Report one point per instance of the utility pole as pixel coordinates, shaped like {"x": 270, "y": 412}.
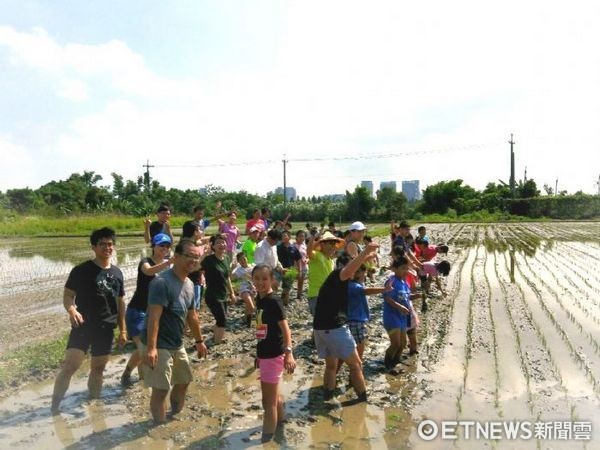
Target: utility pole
{"x": 525, "y": 177}
{"x": 556, "y": 188}
{"x": 598, "y": 184}
{"x": 284, "y": 182}
{"x": 147, "y": 175}
{"x": 512, "y": 166}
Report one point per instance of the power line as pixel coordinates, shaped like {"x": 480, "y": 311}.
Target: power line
{"x": 334, "y": 158}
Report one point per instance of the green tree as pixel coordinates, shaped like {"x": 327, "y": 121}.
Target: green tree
{"x": 359, "y": 203}
{"x": 391, "y": 203}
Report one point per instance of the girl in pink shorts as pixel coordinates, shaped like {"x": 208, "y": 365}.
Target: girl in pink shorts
{"x": 273, "y": 349}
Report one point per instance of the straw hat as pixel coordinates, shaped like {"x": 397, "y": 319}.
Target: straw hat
{"x": 328, "y": 236}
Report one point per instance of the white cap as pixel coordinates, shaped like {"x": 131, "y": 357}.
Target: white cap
{"x": 357, "y": 226}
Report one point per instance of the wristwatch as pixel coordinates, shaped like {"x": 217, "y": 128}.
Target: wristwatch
{"x": 287, "y": 349}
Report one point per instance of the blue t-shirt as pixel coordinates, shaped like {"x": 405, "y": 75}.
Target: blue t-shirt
{"x": 358, "y": 308}
{"x": 400, "y": 293}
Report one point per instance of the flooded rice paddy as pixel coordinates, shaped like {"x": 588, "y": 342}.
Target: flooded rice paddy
{"x": 517, "y": 338}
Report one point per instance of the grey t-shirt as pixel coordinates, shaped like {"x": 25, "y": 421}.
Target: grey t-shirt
{"x": 176, "y": 297}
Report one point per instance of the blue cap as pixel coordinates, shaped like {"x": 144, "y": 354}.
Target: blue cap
{"x": 161, "y": 238}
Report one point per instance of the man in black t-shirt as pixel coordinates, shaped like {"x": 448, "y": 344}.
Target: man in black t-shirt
{"x": 94, "y": 299}
{"x": 161, "y": 225}
{"x": 332, "y": 337}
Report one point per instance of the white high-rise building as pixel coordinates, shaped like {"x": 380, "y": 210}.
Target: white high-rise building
{"x": 411, "y": 190}
{"x": 388, "y": 184}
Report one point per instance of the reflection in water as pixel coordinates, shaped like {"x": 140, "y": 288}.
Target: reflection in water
{"x": 62, "y": 430}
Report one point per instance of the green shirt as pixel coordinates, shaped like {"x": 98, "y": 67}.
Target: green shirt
{"x": 216, "y": 273}
{"x": 319, "y": 267}
{"x": 248, "y": 248}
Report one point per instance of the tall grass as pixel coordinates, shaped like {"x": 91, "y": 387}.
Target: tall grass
{"x": 75, "y": 225}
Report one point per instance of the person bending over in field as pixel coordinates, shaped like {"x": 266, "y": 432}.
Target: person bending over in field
{"x": 433, "y": 271}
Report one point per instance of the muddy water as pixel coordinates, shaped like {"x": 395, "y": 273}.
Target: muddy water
{"x": 516, "y": 338}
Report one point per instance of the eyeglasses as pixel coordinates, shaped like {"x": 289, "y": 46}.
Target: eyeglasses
{"x": 106, "y": 244}
{"x": 191, "y": 257}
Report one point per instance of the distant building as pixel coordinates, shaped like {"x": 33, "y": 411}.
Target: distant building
{"x": 334, "y": 197}
{"x": 368, "y": 185}
{"x": 388, "y": 184}
{"x": 411, "y": 190}
{"x": 290, "y": 193}
{"x": 202, "y": 191}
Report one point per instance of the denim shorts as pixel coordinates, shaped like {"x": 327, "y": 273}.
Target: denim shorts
{"x": 134, "y": 320}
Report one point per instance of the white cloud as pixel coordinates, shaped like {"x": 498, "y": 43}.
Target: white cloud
{"x": 348, "y": 79}
{"x": 17, "y": 163}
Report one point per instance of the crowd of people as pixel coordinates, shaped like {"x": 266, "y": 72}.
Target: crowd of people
{"x": 220, "y": 270}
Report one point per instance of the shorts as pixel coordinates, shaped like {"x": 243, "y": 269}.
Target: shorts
{"x": 98, "y": 337}
{"x": 247, "y": 287}
{"x": 337, "y": 343}
{"x": 286, "y": 283}
{"x": 197, "y": 296}
{"x": 312, "y": 305}
{"x": 219, "y": 311}
{"x": 134, "y": 319}
{"x": 397, "y": 320}
{"x": 173, "y": 367}
{"x": 270, "y": 369}
{"x": 358, "y": 331}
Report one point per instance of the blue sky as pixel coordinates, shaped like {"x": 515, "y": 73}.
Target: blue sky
{"x": 105, "y": 85}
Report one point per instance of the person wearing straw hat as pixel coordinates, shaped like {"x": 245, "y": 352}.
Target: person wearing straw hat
{"x": 321, "y": 252}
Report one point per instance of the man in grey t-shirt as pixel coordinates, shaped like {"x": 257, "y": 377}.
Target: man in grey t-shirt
{"x": 170, "y": 306}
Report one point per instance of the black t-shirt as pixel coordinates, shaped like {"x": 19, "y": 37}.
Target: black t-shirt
{"x": 96, "y": 292}
{"x": 287, "y": 255}
{"x": 332, "y": 303}
{"x": 157, "y": 227}
{"x": 140, "y": 296}
{"x": 269, "y": 312}
{"x": 216, "y": 273}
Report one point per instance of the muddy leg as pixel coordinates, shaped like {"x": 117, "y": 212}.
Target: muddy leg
{"x": 96, "y": 377}
{"x": 178, "y": 398}
{"x": 73, "y": 359}
{"x": 356, "y": 375}
{"x": 158, "y": 405}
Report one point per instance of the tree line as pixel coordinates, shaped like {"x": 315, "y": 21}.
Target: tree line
{"x": 84, "y": 194}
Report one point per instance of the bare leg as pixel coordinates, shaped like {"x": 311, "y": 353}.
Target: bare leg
{"x": 270, "y": 402}
{"x": 96, "y": 375}
{"x": 178, "y": 397}
{"x": 158, "y": 405}
{"x": 219, "y": 333}
{"x": 331, "y": 367}
{"x": 356, "y": 374}
{"x": 73, "y": 359}
{"x": 134, "y": 361}
{"x": 300, "y": 286}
